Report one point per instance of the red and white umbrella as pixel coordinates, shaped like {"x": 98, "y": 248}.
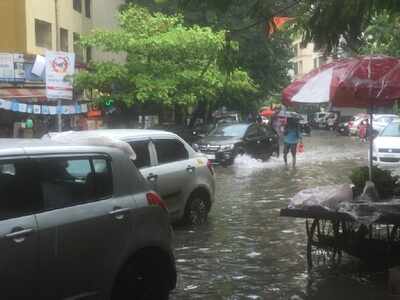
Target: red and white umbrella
{"x": 363, "y": 82}
{"x": 352, "y": 82}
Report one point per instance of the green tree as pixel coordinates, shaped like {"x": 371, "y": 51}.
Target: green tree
{"x": 266, "y": 60}
{"x": 382, "y": 36}
{"x": 167, "y": 62}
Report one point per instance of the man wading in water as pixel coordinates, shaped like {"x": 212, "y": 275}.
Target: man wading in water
{"x": 291, "y": 138}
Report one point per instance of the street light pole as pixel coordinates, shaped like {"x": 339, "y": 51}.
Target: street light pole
{"x": 59, "y": 112}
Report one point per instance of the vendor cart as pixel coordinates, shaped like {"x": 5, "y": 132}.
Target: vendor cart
{"x": 332, "y": 233}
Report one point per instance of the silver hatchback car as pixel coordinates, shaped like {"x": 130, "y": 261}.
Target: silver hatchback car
{"x": 184, "y": 178}
{"x": 80, "y": 222}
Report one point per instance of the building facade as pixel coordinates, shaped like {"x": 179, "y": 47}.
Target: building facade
{"x": 30, "y": 27}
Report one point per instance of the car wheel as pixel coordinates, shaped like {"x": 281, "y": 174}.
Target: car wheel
{"x": 137, "y": 283}
{"x": 196, "y": 210}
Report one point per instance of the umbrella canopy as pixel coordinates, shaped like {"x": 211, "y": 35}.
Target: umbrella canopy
{"x": 363, "y": 82}
{"x": 267, "y": 112}
{"x": 352, "y": 82}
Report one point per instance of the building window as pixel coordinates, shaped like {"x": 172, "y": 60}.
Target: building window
{"x": 77, "y": 4}
{"x": 43, "y": 34}
{"x": 64, "y": 40}
{"x": 78, "y": 48}
{"x": 88, "y": 8}
{"x": 88, "y": 54}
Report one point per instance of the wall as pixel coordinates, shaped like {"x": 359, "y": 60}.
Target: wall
{"x": 105, "y": 17}
{"x": 12, "y": 26}
{"x": 68, "y": 19}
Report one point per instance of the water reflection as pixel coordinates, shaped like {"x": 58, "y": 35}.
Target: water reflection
{"x": 246, "y": 251}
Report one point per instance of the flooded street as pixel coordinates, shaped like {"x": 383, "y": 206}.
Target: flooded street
{"x": 246, "y": 251}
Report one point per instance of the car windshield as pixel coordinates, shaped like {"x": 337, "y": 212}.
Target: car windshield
{"x": 392, "y": 130}
{"x": 233, "y": 130}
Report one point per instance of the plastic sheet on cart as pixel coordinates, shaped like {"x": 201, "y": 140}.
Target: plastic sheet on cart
{"x": 339, "y": 199}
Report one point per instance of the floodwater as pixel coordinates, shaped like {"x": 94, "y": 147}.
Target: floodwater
{"x": 247, "y": 251}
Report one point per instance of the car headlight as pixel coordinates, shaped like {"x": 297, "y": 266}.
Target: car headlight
{"x": 227, "y": 147}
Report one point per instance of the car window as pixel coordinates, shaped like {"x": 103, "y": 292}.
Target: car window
{"x": 169, "y": 150}
{"x": 267, "y": 130}
{"x": 20, "y": 193}
{"x": 252, "y": 132}
{"x": 392, "y": 130}
{"x": 68, "y": 182}
{"x": 237, "y": 130}
{"x": 141, "y": 149}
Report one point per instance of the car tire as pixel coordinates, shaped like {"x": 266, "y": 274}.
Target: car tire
{"x": 137, "y": 282}
{"x": 196, "y": 212}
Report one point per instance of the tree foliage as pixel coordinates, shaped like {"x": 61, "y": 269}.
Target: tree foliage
{"x": 382, "y": 36}
{"x": 167, "y": 61}
{"x": 265, "y": 59}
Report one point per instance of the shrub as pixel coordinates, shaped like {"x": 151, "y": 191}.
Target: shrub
{"x": 386, "y": 184}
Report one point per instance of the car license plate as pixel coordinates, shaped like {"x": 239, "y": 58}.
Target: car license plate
{"x": 211, "y": 156}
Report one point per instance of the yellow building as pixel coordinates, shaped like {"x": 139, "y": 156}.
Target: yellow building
{"x": 32, "y": 26}
{"x": 306, "y": 58}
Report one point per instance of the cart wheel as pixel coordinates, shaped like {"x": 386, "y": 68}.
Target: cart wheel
{"x": 323, "y": 243}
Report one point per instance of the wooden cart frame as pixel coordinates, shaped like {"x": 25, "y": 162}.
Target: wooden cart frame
{"x": 330, "y": 234}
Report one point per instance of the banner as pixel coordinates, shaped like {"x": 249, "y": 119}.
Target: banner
{"x": 60, "y": 69}
{"x": 37, "y": 109}
{"x": 6, "y": 66}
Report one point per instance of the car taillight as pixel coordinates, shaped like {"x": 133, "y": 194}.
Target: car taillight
{"x": 154, "y": 199}
{"x": 210, "y": 167}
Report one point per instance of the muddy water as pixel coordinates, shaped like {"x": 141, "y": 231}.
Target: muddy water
{"x": 246, "y": 251}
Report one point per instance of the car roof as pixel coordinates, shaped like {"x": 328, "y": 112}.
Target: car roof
{"x": 11, "y": 147}
{"x": 123, "y": 133}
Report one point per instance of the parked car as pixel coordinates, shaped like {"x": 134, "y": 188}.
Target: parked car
{"x": 343, "y": 128}
{"x": 184, "y": 178}
{"x": 318, "y": 120}
{"x": 380, "y": 121}
{"x": 305, "y": 126}
{"x": 386, "y": 146}
{"x": 80, "y": 221}
{"x": 224, "y": 143}
{"x": 330, "y": 121}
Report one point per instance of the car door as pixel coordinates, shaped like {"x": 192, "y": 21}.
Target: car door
{"x": 175, "y": 172}
{"x": 145, "y": 160}
{"x": 85, "y": 226}
{"x": 20, "y": 199}
{"x": 252, "y": 141}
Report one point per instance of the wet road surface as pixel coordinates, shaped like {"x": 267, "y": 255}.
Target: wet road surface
{"x": 246, "y": 251}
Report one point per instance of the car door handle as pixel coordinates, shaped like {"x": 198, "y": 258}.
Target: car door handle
{"x": 119, "y": 213}
{"x": 19, "y": 234}
{"x": 152, "y": 177}
{"x": 190, "y": 169}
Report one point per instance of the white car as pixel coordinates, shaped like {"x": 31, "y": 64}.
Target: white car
{"x": 386, "y": 146}
{"x": 381, "y": 121}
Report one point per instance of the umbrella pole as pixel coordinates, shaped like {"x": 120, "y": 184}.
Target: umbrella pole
{"x": 371, "y": 142}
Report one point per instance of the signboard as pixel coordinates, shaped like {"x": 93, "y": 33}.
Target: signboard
{"x": 60, "y": 69}
{"x": 6, "y": 66}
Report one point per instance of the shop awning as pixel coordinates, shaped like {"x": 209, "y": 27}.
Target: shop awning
{"x": 33, "y": 94}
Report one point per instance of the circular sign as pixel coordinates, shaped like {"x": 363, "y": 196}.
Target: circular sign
{"x": 60, "y": 64}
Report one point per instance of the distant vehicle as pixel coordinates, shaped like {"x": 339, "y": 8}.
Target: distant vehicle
{"x": 380, "y": 121}
{"x": 184, "y": 178}
{"x": 330, "y": 121}
{"x": 318, "y": 120}
{"x": 224, "y": 143}
{"x": 386, "y": 146}
{"x": 80, "y": 221}
{"x": 343, "y": 128}
{"x": 304, "y": 124}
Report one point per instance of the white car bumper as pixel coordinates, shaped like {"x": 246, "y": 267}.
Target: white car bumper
{"x": 386, "y": 160}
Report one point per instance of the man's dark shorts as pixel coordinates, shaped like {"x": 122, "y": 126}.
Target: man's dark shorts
{"x": 289, "y": 147}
